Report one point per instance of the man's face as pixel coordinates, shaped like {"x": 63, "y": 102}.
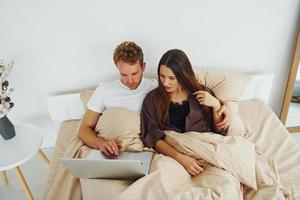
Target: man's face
{"x": 131, "y": 74}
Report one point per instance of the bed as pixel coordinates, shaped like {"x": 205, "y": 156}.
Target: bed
{"x": 265, "y": 131}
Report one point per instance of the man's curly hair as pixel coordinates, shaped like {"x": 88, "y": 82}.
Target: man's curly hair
{"x": 128, "y": 52}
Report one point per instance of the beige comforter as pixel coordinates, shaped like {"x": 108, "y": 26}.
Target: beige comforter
{"x": 222, "y": 180}
{"x": 232, "y": 160}
{"x": 60, "y": 184}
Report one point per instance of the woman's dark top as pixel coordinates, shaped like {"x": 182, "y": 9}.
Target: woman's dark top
{"x": 178, "y": 113}
{"x": 194, "y": 120}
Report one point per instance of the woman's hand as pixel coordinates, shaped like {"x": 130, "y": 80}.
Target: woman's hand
{"x": 192, "y": 166}
{"x": 225, "y": 111}
{"x": 206, "y": 99}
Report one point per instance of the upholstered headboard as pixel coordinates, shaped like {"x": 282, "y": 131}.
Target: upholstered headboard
{"x": 69, "y": 106}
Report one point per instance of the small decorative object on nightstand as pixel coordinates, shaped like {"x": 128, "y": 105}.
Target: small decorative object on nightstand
{"x": 7, "y": 129}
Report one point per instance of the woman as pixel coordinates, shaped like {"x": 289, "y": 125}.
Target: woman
{"x": 179, "y": 103}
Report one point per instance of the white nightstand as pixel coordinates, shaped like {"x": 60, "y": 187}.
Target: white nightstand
{"x": 18, "y": 150}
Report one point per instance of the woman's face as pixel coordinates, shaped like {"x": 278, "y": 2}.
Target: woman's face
{"x": 168, "y": 79}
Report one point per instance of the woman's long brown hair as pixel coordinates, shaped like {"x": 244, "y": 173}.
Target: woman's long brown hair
{"x": 180, "y": 65}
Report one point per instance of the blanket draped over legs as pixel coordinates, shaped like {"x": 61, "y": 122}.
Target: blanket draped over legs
{"x": 234, "y": 170}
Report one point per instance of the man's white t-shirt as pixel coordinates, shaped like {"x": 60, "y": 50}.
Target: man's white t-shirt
{"x": 115, "y": 94}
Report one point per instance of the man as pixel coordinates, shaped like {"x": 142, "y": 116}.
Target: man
{"x": 128, "y": 92}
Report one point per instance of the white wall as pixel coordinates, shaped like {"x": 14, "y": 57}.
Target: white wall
{"x": 60, "y": 46}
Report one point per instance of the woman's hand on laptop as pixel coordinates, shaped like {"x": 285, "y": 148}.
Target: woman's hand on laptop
{"x": 110, "y": 147}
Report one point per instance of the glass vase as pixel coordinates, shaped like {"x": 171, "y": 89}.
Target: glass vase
{"x": 7, "y": 129}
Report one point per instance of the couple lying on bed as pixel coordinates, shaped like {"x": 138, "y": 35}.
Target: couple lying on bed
{"x": 179, "y": 103}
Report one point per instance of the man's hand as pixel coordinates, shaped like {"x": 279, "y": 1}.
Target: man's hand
{"x": 225, "y": 111}
{"x": 109, "y": 147}
{"x": 192, "y": 166}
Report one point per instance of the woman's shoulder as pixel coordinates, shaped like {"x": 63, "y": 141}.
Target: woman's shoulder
{"x": 151, "y": 95}
{"x": 149, "y": 102}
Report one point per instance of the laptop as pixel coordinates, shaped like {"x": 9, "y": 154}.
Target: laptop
{"x": 128, "y": 165}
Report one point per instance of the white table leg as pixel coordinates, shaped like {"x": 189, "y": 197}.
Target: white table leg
{"x": 23, "y": 183}
{"x": 4, "y": 176}
{"x": 44, "y": 157}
